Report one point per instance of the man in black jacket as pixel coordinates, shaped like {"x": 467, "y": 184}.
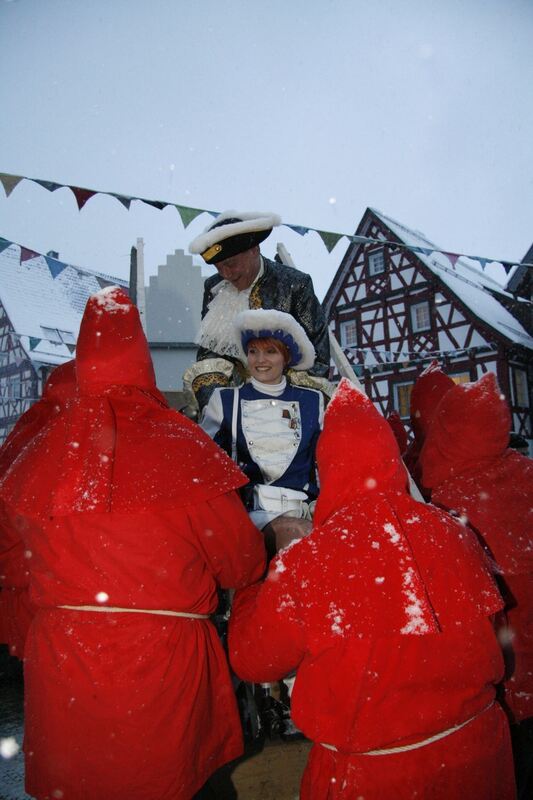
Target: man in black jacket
{"x": 246, "y": 279}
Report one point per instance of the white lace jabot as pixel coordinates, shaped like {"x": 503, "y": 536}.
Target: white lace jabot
{"x": 216, "y": 329}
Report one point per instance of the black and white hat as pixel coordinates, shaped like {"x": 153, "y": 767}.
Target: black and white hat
{"x": 233, "y": 232}
{"x": 262, "y": 323}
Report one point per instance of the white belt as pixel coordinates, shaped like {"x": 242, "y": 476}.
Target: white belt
{"x": 113, "y": 609}
{"x": 416, "y": 745}
{"x": 278, "y": 499}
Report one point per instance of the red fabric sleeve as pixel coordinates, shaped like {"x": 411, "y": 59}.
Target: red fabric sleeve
{"x": 229, "y": 541}
{"x": 266, "y": 638}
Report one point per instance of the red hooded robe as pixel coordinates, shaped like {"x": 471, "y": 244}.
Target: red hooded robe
{"x": 124, "y": 503}
{"x": 384, "y": 612}
{"x": 466, "y": 463}
{"x": 429, "y": 389}
{"x": 16, "y": 609}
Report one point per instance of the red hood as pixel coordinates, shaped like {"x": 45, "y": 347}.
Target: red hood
{"x": 60, "y": 387}
{"x": 429, "y": 389}
{"x": 116, "y": 446}
{"x": 398, "y": 429}
{"x": 357, "y": 452}
{"x": 469, "y": 431}
{"x": 112, "y": 349}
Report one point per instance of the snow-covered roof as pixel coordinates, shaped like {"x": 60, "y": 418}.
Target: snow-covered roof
{"x": 472, "y": 286}
{"x": 46, "y": 312}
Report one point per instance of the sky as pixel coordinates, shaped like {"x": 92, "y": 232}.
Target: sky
{"x": 312, "y": 109}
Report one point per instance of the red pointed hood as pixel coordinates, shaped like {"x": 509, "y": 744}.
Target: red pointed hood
{"x": 112, "y": 349}
{"x": 398, "y": 429}
{"x": 59, "y": 388}
{"x": 429, "y": 389}
{"x": 469, "y": 431}
{"x": 416, "y": 570}
{"x": 357, "y": 453}
{"x": 117, "y": 447}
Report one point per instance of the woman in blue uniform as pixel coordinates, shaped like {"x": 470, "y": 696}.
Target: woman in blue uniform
{"x": 268, "y": 426}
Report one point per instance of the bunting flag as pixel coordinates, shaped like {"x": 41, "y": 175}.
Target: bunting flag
{"x": 56, "y": 267}
{"x": 26, "y": 254}
{"x": 9, "y": 182}
{"x": 4, "y": 244}
{"x": 187, "y": 215}
{"x": 330, "y": 239}
{"x": 49, "y": 185}
{"x": 452, "y": 257}
{"x": 126, "y": 201}
{"x": 81, "y": 195}
{"x": 34, "y": 342}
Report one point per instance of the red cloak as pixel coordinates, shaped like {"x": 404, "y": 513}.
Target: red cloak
{"x": 16, "y": 609}
{"x": 466, "y": 463}
{"x": 124, "y": 503}
{"x": 384, "y": 612}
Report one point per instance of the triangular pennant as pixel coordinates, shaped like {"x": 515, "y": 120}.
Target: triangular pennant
{"x": 298, "y": 229}
{"x": 122, "y": 198}
{"x": 26, "y": 254}
{"x": 482, "y": 261}
{"x": 56, "y": 267}
{"x": 82, "y": 195}
{"x": 10, "y": 181}
{"x": 329, "y": 239}
{"x": 507, "y": 265}
{"x": 187, "y": 215}
{"x": 4, "y": 244}
{"x": 71, "y": 348}
{"x": 34, "y": 342}
{"x": 155, "y": 203}
{"x": 50, "y": 185}
{"x": 452, "y": 257}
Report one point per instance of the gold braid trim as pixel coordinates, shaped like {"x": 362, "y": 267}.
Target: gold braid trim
{"x": 302, "y": 378}
{"x": 209, "y": 379}
{"x": 254, "y": 301}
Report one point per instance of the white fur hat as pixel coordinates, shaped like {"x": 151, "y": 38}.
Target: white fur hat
{"x": 262, "y": 323}
{"x": 233, "y": 232}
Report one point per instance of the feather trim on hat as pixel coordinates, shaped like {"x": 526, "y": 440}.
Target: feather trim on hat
{"x": 263, "y": 323}
{"x": 250, "y": 222}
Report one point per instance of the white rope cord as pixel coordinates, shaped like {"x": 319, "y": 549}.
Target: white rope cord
{"x": 416, "y": 745}
{"x": 115, "y": 609}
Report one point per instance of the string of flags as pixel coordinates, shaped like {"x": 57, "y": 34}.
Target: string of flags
{"x": 378, "y": 358}
{"x": 56, "y": 267}
{"x": 188, "y": 215}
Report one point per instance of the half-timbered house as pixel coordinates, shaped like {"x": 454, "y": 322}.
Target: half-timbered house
{"x": 41, "y": 305}
{"x": 394, "y": 310}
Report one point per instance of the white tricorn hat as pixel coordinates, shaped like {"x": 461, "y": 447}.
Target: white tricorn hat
{"x": 262, "y": 323}
{"x": 233, "y": 232}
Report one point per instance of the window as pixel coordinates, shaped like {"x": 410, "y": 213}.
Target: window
{"x": 14, "y": 387}
{"x": 348, "y": 332}
{"x": 522, "y": 394}
{"x": 58, "y": 336}
{"x": 461, "y": 377}
{"x": 402, "y": 399}
{"x": 376, "y": 262}
{"x": 420, "y": 318}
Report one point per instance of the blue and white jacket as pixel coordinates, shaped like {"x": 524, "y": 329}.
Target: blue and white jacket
{"x": 270, "y": 431}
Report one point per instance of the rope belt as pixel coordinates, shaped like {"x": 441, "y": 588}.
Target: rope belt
{"x": 159, "y": 612}
{"x": 416, "y": 745}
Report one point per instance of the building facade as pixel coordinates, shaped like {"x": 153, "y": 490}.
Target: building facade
{"x": 394, "y": 310}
